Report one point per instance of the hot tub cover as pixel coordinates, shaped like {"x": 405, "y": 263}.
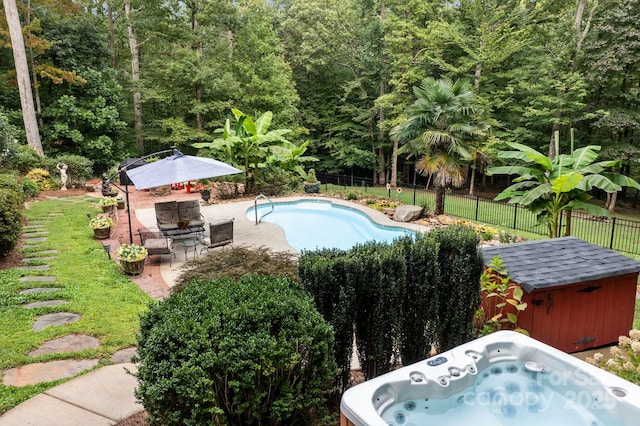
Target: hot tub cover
{"x": 557, "y": 262}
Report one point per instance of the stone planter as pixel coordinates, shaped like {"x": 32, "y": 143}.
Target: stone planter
{"x": 120, "y": 204}
{"x": 133, "y": 268}
{"x": 101, "y": 233}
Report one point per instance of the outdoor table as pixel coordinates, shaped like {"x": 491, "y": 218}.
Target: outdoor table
{"x": 190, "y": 243}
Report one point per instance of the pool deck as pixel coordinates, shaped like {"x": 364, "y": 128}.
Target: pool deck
{"x": 247, "y": 233}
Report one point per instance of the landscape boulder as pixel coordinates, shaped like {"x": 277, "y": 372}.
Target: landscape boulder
{"x": 407, "y": 213}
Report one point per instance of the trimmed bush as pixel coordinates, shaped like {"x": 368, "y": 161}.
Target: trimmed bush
{"x": 43, "y": 179}
{"x": 249, "y": 352}
{"x": 24, "y": 158}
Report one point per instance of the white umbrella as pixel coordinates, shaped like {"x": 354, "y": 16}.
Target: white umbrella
{"x": 178, "y": 168}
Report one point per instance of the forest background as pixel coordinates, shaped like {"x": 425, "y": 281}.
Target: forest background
{"x": 122, "y": 78}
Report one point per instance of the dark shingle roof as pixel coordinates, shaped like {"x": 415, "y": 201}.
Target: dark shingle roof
{"x": 559, "y": 261}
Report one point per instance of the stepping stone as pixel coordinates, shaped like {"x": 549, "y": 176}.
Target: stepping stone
{"x": 40, "y": 290}
{"x": 45, "y": 303}
{"x": 41, "y": 278}
{"x": 40, "y": 253}
{"x": 39, "y": 259}
{"x": 50, "y": 320}
{"x": 34, "y": 230}
{"x": 40, "y": 372}
{"x": 123, "y": 355}
{"x": 70, "y": 343}
{"x": 35, "y": 240}
{"x": 35, "y": 268}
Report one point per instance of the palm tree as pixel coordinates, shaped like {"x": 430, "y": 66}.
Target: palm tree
{"x": 443, "y": 123}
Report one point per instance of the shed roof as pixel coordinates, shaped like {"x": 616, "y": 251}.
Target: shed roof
{"x": 559, "y": 261}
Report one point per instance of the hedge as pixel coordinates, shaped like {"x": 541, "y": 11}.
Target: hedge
{"x": 253, "y": 351}
{"x": 400, "y": 298}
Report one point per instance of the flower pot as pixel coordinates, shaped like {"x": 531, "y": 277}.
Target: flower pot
{"x": 109, "y": 209}
{"x": 133, "y": 268}
{"x": 102, "y": 233}
{"x": 120, "y": 204}
{"x": 312, "y": 188}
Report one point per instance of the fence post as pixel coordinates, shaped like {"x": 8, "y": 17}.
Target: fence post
{"x": 477, "y": 206}
{"x": 613, "y": 229}
{"x": 515, "y": 215}
{"x": 414, "y": 194}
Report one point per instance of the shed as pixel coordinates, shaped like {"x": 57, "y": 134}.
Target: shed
{"x": 579, "y": 295}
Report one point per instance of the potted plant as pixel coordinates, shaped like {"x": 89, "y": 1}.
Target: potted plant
{"x": 101, "y": 227}
{"x": 183, "y": 223}
{"x": 108, "y": 203}
{"x": 132, "y": 257}
{"x": 311, "y": 183}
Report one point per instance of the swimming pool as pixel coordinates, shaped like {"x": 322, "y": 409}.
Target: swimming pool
{"x": 505, "y": 378}
{"x": 316, "y": 224}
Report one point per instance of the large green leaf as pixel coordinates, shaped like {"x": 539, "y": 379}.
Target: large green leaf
{"x": 584, "y": 156}
{"x": 621, "y": 180}
{"x": 599, "y": 181}
{"x": 263, "y": 123}
{"x": 598, "y": 167}
{"x": 566, "y": 183}
{"x": 535, "y": 193}
{"x": 588, "y": 208}
{"x": 512, "y": 170}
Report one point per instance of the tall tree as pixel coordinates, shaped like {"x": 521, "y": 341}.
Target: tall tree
{"x": 441, "y": 124}
{"x": 22, "y": 75}
{"x": 135, "y": 77}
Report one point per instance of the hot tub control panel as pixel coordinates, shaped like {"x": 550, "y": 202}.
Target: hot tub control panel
{"x": 436, "y": 361}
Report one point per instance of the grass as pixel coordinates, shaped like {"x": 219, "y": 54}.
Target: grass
{"x": 108, "y": 301}
{"x": 621, "y": 235}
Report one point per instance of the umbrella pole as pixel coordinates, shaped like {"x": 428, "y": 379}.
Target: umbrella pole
{"x": 126, "y": 194}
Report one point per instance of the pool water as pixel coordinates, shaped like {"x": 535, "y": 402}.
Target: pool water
{"x": 313, "y": 225}
{"x": 506, "y": 393}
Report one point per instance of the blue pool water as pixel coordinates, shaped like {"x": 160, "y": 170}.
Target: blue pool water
{"x": 506, "y": 394}
{"x": 312, "y": 225}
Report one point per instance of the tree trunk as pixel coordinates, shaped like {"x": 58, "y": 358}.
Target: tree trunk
{"x": 612, "y": 202}
{"x": 22, "y": 75}
{"x": 197, "y": 48}
{"x": 112, "y": 34}
{"x": 439, "y": 199}
{"x": 567, "y": 231}
{"x": 472, "y": 183}
{"x": 135, "y": 78}
{"x": 32, "y": 62}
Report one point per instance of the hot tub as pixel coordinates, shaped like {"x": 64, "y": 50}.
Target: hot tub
{"x": 505, "y": 378}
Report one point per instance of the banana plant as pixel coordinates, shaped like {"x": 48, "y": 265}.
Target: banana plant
{"x": 547, "y": 187}
{"x": 248, "y": 143}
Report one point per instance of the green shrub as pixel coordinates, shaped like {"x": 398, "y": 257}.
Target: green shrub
{"x": 249, "y": 352}
{"x": 43, "y": 179}
{"x": 11, "y": 206}
{"x": 79, "y": 169}
{"x": 29, "y": 188}
{"x": 273, "y": 180}
{"x": 24, "y": 158}
{"x": 236, "y": 262}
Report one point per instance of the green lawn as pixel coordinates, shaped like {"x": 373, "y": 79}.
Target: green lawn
{"x": 109, "y": 302}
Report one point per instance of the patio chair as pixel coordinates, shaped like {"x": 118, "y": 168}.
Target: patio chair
{"x": 220, "y": 235}
{"x": 156, "y": 244}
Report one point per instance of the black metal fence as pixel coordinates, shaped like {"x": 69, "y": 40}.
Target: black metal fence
{"x": 618, "y": 234}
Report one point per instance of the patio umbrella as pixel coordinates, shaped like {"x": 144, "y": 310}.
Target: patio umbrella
{"x": 178, "y": 168}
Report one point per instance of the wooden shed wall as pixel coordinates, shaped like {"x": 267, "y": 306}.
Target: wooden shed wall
{"x": 581, "y": 316}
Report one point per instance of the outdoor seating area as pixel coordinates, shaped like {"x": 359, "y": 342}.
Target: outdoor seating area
{"x": 175, "y": 216}
{"x": 156, "y": 244}
{"x": 220, "y": 235}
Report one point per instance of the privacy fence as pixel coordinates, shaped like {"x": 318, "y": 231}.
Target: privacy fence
{"x": 622, "y": 235}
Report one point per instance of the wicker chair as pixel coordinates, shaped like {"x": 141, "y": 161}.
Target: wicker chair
{"x": 220, "y": 234}
{"x": 156, "y": 244}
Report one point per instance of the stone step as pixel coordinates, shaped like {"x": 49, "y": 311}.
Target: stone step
{"x": 40, "y": 290}
{"x": 35, "y": 305}
{"x": 55, "y": 319}
{"x": 38, "y": 278}
{"x": 35, "y": 268}
{"x": 70, "y": 343}
{"x": 40, "y": 372}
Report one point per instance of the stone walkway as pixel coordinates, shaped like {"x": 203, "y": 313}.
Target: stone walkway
{"x": 37, "y": 280}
